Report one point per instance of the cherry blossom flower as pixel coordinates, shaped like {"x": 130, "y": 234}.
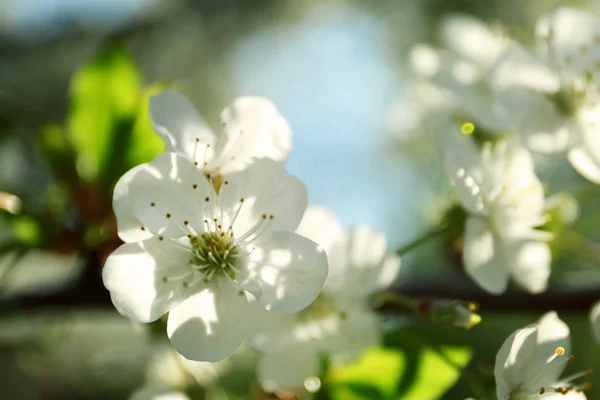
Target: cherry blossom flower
{"x": 338, "y": 324}
{"x": 251, "y": 127}
{"x": 505, "y": 202}
{"x": 558, "y": 90}
{"x": 197, "y": 250}
{"x": 530, "y": 362}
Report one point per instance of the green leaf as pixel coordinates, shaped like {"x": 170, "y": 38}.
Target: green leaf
{"x": 373, "y": 376}
{"x": 145, "y": 143}
{"x": 436, "y": 372}
{"x": 103, "y": 93}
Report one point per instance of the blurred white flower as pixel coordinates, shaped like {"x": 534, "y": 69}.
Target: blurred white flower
{"x": 157, "y": 393}
{"x": 462, "y": 72}
{"x": 558, "y": 91}
{"x": 595, "y": 320}
{"x": 505, "y": 202}
{"x": 339, "y": 324}
{"x": 195, "y": 249}
{"x": 251, "y": 128}
{"x": 531, "y": 360}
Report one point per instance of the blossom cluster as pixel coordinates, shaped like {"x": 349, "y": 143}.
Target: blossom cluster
{"x": 217, "y": 234}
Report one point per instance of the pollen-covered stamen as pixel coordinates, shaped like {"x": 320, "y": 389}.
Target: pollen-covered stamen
{"x": 215, "y": 251}
{"x": 566, "y": 383}
{"x": 257, "y": 230}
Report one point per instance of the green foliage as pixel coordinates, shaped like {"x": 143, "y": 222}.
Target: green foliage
{"x": 416, "y": 372}
{"x": 104, "y": 96}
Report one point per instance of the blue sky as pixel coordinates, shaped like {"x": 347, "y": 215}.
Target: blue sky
{"x": 330, "y": 75}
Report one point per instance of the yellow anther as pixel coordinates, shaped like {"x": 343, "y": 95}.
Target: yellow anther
{"x": 560, "y": 351}
{"x": 467, "y": 128}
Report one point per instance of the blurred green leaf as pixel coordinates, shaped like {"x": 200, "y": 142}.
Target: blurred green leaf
{"x": 145, "y": 143}
{"x": 436, "y": 372}
{"x": 103, "y": 94}
{"x": 374, "y": 376}
{"x": 26, "y": 230}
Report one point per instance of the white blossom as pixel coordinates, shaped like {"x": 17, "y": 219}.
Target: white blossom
{"x": 530, "y": 362}
{"x": 505, "y": 201}
{"x": 251, "y": 127}
{"x": 339, "y": 324}
{"x": 196, "y": 249}
{"x": 463, "y": 72}
{"x": 558, "y": 89}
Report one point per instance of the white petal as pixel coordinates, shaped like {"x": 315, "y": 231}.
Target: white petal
{"x": 595, "y": 320}
{"x": 157, "y": 393}
{"x": 462, "y": 165}
{"x": 267, "y": 190}
{"x": 358, "y": 264}
{"x": 253, "y": 128}
{"x": 128, "y": 225}
{"x": 583, "y": 160}
{"x": 134, "y": 276}
{"x": 513, "y": 360}
{"x": 176, "y": 121}
{"x": 569, "y": 39}
{"x": 529, "y": 263}
{"x": 286, "y": 271}
{"x": 210, "y": 325}
{"x": 518, "y": 68}
{"x": 471, "y": 39}
{"x": 552, "y": 333}
{"x": 169, "y": 191}
{"x": 288, "y": 367}
{"x": 482, "y": 258}
{"x": 322, "y": 226}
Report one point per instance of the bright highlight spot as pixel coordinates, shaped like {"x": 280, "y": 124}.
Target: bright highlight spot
{"x": 467, "y": 128}
{"x": 312, "y": 384}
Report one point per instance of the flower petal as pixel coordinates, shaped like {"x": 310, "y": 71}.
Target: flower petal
{"x": 134, "y": 276}
{"x": 514, "y": 359}
{"x": 262, "y": 190}
{"x": 210, "y": 325}
{"x": 471, "y": 39}
{"x": 567, "y": 37}
{"x": 529, "y": 263}
{"x": 286, "y": 271}
{"x": 176, "y": 121}
{"x": 483, "y": 260}
{"x": 585, "y": 162}
{"x": 358, "y": 264}
{"x": 322, "y": 226}
{"x": 169, "y": 191}
{"x": 462, "y": 164}
{"x": 128, "y": 225}
{"x": 253, "y": 128}
{"x": 552, "y": 333}
{"x": 273, "y": 376}
{"x": 157, "y": 393}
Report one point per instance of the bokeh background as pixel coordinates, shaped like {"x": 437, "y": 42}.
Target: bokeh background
{"x": 74, "y": 81}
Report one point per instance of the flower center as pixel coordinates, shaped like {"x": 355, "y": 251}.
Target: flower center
{"x": 213, "y": 252}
